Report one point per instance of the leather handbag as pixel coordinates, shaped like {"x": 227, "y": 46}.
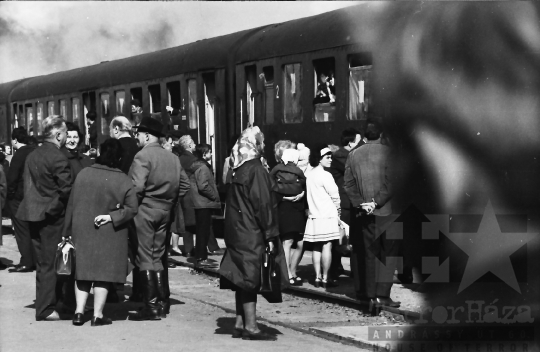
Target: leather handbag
{"x": 344, "y": 248}
{"x": 268, "y": 271}
{"x": 64, "y": 262}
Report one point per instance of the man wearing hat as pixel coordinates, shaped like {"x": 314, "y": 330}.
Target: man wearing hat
{"x": 156, "y": 178}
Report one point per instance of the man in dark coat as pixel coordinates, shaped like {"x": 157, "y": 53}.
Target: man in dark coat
{"x": 15, "y": 196}
{"x": 367, "y": 182}
{"x": 92, "y": 129}
{"x": 155, "y": 173}
{"x": 47, "y": 185}
{"x": 119, "y": 129}
{"x": 350, "y": 139}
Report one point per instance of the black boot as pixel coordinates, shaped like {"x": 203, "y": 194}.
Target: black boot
{"x": 136, "y": 291}
{"x": 163, "y": 292}
{"x": 151, "y": 309}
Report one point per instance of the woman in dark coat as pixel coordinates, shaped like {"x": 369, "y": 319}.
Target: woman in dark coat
{"x": 251, "y": 225}
{"x": 101, "y": 204}
{"x": 77, "y": 160}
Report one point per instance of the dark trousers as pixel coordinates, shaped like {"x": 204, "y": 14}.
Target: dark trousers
{"x": 45, "y": 236}
{"x": 203, "y": 218}
{"x": 374, "y": 278}
{"x": 22, "y": 236}
{"x": 187, "y": 238}
{"x": 151, "y": 228}
{"x": 336, "y": 266}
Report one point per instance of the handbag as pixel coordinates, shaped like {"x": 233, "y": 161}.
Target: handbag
{"x": 64, "y": 262}
{"x": 268, "y": 271}
{"x": 344, "y": 248}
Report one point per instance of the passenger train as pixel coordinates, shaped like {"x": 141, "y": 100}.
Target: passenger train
{"x": 265, "y": 76}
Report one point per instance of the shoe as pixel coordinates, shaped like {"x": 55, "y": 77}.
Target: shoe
{"x": 317, "y": 283}
{"x": 237, "y": 333}
{"x": 22, "y": 269}
{"x": 101, "y": 321}
{"x": 171, "y": 265}
{"x": 78, "y": 319}
{"x": 220, "y": 251}
{"x": 175, "y": 253}
{"x": 3, "y": 266}
{"x": 205, "y": 263}
{"x": 259, "y": 336}
{"x": 54, "y": 316}
{"x": 295, "y": 281}
{"x": 388, "y": 302}
{"x": 329, "y": 283}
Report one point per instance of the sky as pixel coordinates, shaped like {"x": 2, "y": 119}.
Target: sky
{"x": 38, "y": 38}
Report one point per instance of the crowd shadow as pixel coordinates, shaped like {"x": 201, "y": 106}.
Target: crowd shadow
{"x": 225, "y": 326}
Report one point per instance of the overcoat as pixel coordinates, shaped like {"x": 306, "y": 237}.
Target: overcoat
{"x": 77, "y": 161}
{"x": 47, "y": 184}
{"x": 101, "y": 253}
{"x": 186, "y": 203}
{"x": 250, "y": 221}
{"x": 203, "y": 191}
{"x": 290, "y": 181}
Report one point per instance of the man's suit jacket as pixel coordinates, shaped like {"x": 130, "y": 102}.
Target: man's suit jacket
{"x": 156, "y": 176}
{"x": 367, "y": 176}
{"x": 130, "y": 148}
{"x": 47, "y": 184}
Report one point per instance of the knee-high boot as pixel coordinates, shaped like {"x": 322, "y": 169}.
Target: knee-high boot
{"x": 152, "y": 308}
{"x": 163, "y": 291}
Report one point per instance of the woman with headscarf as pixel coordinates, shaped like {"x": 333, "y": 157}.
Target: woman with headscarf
{"x": 250, "y": 226}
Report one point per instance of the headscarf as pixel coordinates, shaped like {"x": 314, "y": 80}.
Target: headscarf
{"x": 290, "y": 155}
{"x": 248, "y": 147}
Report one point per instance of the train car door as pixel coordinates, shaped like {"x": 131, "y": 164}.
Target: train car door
{"x": 209, "y": 115}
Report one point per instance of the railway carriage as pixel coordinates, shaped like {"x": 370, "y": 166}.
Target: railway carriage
{"x": 265, "y": 76}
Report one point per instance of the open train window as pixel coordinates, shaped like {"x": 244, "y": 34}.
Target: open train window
{"x": 292, "y": 93}
{"x": 251, "y": 93}
{"x": 29, "y": 108}
{"x": 63, "y": 108}
{"x": 193, "y": 112}
{"x": 106, "y": 115}
{"x": 154, "y": 97}
{"x": 39, "y": 116}
{"x": 50, "y": 108}
{"x": 360, "y": 95}
{"x": 120, "y": 100}
{"x": 174, "y": 101}
{"x": 324, "y": 101}
{"x": 136, "y": 105}
{"x": 75, "y": 110}
{"x": 268, "y": 77}
{"x": 22, "y": 117}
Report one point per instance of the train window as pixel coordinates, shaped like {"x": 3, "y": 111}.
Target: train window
{"x": 120, "y": 98}
{"x": 39, "y": 116}
{"x": 22, "y": 117}
{"x": 136, "y": 105}
{"x": 251, "y": 93}
{"x": 50, "y": 108}
{"x": 292, "y": 94}
{"x": 359, "y": 86}
{"x": 105, "y": 113}
{"x": 63, "y": 108}
{"x": 154, "y": 95}
{"x": 76, "y": 110}
{"x": 14, "y": 117}
{"x": 193, "y": 112}
{"x": 324, "y": 101}
{"x": 173, "y": 95}
{"x": 89, "y": 101}
{"x": 29, "y": 118}
{"x": 268, "y": 76}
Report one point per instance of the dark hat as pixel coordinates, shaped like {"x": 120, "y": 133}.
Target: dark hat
{"x": 150, "y": 125}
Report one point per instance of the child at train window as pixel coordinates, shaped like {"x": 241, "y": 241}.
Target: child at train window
{"x": 324, "y": 94}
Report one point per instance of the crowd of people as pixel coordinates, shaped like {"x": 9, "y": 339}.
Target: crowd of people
{"x": 150, "y": 190}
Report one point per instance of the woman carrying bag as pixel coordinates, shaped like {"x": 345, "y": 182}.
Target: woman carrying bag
{"x": 97, "y": 221}
{"x": 251, "y": 227}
